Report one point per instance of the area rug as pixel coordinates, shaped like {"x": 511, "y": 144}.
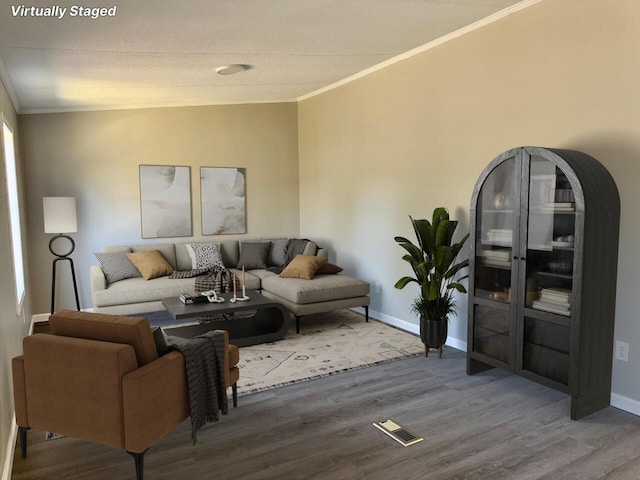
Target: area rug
{"x": 328, "y": 343}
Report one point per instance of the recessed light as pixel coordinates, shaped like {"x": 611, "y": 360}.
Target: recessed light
{"x": 231, "y": 69}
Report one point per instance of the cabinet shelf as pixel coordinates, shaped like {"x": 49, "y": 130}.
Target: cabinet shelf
{"x": 564, "y": 338}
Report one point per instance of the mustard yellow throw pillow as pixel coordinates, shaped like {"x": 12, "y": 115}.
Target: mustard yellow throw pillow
{"x": 150, "y": 264}
{"x": 303, "y": 266}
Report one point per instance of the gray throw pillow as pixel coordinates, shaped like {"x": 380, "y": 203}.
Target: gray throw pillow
{"x": 278, "y": 252}
{"x": 204, "y": 255}
{"x": 253, "y": 255}
{"x": 116, "y": 266}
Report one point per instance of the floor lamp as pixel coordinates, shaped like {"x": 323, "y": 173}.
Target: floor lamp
{"x": 59, "y": 218}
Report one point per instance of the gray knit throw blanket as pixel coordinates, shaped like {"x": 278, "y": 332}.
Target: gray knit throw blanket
{"x": 218, "y": 279}
{"x": 295, "y": 247}
{"x": 204, "y": 359}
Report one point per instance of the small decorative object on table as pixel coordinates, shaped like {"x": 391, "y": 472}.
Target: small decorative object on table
{"x": 244, "y": 297}
{"x": 190, "y": 298}
{"x": 212, "y": 297}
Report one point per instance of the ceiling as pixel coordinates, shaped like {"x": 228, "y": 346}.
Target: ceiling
{"x": 165, "y": 53}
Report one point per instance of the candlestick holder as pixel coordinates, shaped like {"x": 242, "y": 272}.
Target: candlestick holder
{"x": 244, "y": 297}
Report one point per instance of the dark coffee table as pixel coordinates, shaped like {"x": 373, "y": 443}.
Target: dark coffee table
{"x": 257, "y": 320}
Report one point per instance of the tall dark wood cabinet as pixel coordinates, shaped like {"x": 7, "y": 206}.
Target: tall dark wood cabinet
{"x": 543, "y": 268}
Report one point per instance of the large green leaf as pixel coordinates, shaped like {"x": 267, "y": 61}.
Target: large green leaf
{"x": 458, "y": 286}
{"x": 403, "y": 282}
{"x": 423, "y": 231}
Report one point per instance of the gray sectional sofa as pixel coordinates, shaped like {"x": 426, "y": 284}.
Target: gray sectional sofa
{"x": 323, "y": 293}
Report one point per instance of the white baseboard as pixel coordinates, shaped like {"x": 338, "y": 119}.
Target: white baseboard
{"x": 625, "y": 403}
{"x": 40, "y": 317}
{"x": 412, "y": 327}
{"x": 11, "y": 448}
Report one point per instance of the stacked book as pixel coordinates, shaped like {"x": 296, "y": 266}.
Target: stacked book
{"x": 499, "y": 236}
{"x": 557, "y": 207}
{"x": 497, "y": 258}
{"x": 190, "y": 298}
{"x": 554, "y": 300}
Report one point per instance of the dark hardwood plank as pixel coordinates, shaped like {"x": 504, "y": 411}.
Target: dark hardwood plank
{"x": 491, "y": 425}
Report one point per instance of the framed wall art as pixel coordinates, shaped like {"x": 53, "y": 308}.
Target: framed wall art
{"x": 165, "y": 201}
{"x": 223, "y": 197}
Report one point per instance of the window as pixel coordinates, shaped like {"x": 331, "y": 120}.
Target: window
{"x": 14, "y": 212}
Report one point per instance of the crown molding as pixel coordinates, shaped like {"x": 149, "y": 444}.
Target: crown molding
{"x": 427, "y": 46}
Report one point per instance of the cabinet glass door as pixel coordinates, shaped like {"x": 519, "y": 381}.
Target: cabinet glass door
{"x": 551, "y": 230}
{"x": 495, "y": 233}
{"x": 493, "y": 273}
{"x": 550, "y": 239}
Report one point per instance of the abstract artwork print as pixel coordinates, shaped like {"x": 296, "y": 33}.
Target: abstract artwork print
{"x": 223, "y": 194}
{"x": 165, "y": 201}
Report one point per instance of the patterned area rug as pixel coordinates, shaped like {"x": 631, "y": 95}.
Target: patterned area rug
{"x": 328, "y": 344}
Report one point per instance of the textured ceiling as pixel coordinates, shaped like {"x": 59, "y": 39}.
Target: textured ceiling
{"x": 165, "y": 52}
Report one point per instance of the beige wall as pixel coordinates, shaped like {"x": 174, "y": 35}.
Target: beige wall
{"x": 416, "y": 135}
{"x": 95, "y": 157}
{"x": 13, "y": 326}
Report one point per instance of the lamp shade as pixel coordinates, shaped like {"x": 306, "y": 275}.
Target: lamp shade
{"x": 59, "y": 214}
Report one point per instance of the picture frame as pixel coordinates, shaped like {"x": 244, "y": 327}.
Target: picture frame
{"x": 223, "y": 200}
{"x": 165, "y": 201}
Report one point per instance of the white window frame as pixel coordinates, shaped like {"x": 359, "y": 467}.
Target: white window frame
{"x": 14, "y": 211}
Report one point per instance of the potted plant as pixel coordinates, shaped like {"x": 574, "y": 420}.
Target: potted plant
{"x": 433, "y": 263}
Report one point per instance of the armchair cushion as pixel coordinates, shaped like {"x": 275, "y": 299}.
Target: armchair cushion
{"x": 134, "y": 331}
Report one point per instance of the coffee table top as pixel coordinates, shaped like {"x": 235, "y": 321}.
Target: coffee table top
{"x": 179, "y": 310}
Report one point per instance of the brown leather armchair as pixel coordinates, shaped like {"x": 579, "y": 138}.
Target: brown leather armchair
{"x": 98, "y": 378}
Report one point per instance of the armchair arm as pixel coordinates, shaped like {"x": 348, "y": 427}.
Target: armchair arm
{"x": 155, "y": 399}
{"x": 227, "y": 360}
{"x": 73, "y": 386}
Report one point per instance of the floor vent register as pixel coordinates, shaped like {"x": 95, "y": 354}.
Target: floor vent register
{"x": 398, "y": 433}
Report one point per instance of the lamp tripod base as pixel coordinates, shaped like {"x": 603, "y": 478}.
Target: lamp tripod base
{"x": 60, "y": 257}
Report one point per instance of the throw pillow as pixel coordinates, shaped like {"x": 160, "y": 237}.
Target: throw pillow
{"x": 160, "y": 341}
{"x": 253, "y": 255}
{"x": 150, "y": 264}
{"x": 278, "y": 252}
{"x": 205, "y": 255}
{"x": 328, "y": 269}
{"x": 116, "y": 266}
{"x": 303, "y": 266}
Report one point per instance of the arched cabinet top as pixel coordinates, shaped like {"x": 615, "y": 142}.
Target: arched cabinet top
{"x": 593, "y": 186}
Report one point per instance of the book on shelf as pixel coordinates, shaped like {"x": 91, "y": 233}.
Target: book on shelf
{"x": 554, "y": 300}
{"x": 189, "y": 298}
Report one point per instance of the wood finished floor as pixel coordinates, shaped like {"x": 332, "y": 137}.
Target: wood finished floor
{"x": 489, "y": 426}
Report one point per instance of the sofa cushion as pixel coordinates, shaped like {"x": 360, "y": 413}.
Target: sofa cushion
{"x": 228, "y": 252}
{"x": 204, "y": 255}
{"x": 303, "y": 266}
{"x": 134, "y": 331}
{"x": 151, "y": 264}
{"x": 139, "y": 290}
{"x": 310, "y": 248}
{"x": 322, "y": 288}
{"x": 253, "y": 255}
{"x": 278, "y": 252}
{"x": 116, "y": 266}
{"x": 168, "y": 251}
{"x": 328, "y": 269}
